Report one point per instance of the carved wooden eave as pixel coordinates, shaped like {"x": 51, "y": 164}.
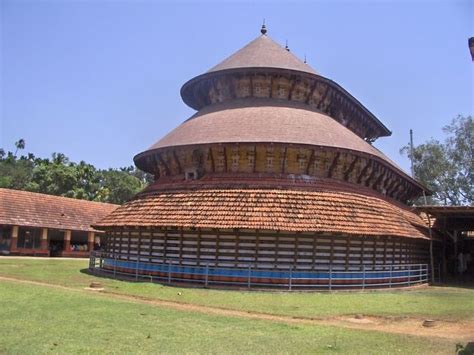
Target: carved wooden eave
{"x": 355, "y": 116}
{"x": 337, "y": 163}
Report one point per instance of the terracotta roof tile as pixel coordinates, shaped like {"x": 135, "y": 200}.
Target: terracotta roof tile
{"x": 32, "y": 209}
{"x": 263, "y": 52}
{"x": 286, "y": 210}
{"x": 265, "y": 120}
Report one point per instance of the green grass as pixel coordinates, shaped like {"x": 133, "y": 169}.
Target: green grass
{"x": 450, "y": 303}
{"x": 39, "y": 319}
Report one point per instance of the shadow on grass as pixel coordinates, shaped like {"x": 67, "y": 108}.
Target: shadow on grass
{"x": 109, "y": 276}
{"x": 183, "y": 284}
{"x": 469, "y": 285}
{"x": 457, "y": 283}
{"x": 465, "y": 350}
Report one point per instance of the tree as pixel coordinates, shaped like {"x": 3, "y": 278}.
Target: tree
{"x": 118, "y": 186}
{"x": 16, "y": 173}
{"x": 59, "y": 176}
{"x": 447, "y": 168}
{"x": 20, "y": 144}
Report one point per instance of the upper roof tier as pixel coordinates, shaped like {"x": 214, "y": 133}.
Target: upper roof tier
{"x": 263, "y": 52}
{"x": 265, "y": 69}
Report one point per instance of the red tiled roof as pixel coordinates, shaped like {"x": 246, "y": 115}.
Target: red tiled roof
{"x": 265, "y": 120}
{"x": 24, "y": 208}
{"x": 276, "y": 181}
{"x": 263, "y": 52}
{"x": 270, "y": 209}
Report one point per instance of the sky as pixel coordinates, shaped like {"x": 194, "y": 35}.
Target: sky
{"x": 100, "y": 80}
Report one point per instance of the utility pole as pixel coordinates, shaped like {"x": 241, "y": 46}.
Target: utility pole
{"x": 411, "y": 154}
{"x": 471, "y": 47}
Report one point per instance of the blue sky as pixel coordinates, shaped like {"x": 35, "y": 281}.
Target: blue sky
{"x": 99, "y": 80}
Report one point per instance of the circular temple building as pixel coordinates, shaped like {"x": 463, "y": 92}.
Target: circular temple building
{"x": 273, "y": 182}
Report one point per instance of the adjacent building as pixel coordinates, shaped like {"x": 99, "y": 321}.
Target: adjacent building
{"x": 46, "y": 225}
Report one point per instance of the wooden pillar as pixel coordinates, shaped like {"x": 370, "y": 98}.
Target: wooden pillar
{"x": 257, "y": 247}
{"x": 455, "y": 249}
{"x": 44, "y": 239}
{"x": 90, "y": 241}
{"x": 444, "y": 257}
{"x": 315, "y": 251}
{"x": 14, "y": 238}
{"x": 331, "y": 255}
{"x": 181, "y": 240}
{"x": 165, "y": 242}
{"x": 217, "y": 246}
{"x": 198, "y": 248}
{"x": 348, "y": 252}
{"x": 67, "y": 241}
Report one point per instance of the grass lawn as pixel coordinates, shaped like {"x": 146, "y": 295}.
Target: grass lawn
{"x": 448, "y": 303}
{"x": 40, "y": 319}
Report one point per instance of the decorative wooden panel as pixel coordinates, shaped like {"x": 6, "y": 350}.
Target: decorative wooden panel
{"x": 265, "y": 250}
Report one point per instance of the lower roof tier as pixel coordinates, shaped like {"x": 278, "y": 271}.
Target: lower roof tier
{"x": 321, "y": 211}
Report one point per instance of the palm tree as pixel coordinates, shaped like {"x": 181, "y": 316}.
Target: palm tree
{"x": 19, "y": 145}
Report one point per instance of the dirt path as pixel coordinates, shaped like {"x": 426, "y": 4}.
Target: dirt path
{"x": 456, "y": 331}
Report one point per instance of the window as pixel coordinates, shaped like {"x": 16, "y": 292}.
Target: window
{"x": 191, "y": 174}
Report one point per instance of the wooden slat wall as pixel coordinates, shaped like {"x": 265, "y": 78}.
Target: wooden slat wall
{"x": 266, "y": 250}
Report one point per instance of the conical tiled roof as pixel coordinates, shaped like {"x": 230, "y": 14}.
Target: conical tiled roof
{"x": 263, "y": 52}
{"x": 264, "y": 120}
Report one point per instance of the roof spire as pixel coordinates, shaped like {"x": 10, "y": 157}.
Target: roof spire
{"x": 263, "y": 30}
{"x": 286, "y": 46}
{"x": 305, "y": 58}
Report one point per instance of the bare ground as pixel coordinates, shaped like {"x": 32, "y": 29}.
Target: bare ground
{"x": 452, "y": 330}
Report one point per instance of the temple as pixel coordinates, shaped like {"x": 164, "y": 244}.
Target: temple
{"x": 274, "y": 181}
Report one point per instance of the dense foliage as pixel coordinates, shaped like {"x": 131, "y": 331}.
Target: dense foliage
{"x": 447, "y": 168}
{"x": 59, "y": 176}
